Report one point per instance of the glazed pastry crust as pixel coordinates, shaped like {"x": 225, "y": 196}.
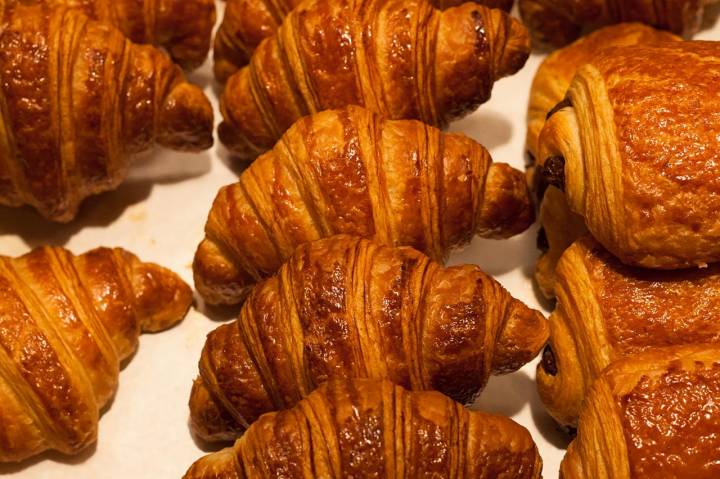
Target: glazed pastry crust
{"x": 553, "y": 77}
{"x": 559, "y": 22}
{"x": 653, "y": 415}
{"x": 66, "y": 324}
{"x": 366, "y": 428}
{"x": 607, "y": 310}
{"x": 350, "y": 171}
{"x": 649, "y": 202}
{"x": 400, "y": 58}
{"x": 550, "y": 85}
{"x": 247, "y": 22}
{"x": 182, "y": 27}
{"x": 346, "y": 307}
{"x": 77, "y": 101}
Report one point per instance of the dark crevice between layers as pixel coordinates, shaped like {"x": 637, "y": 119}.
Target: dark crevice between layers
{"x": 549, "y": 364}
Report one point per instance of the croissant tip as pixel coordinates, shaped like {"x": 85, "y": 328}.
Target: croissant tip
{"x": 218, "y": 280}
{"x": 187, "y": 119}
{"x": 516, "y": 52}
{"x": 163, "y": 298}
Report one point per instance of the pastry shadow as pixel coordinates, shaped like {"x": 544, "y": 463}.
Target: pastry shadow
{"x": 497, "y": 257}
{"x": 218, "y": 313}
{"x": 710, "y": 18}
{"x": 207, "y": 446}
{"x": 103, "y": 209}
{"x": 53, "y": 456}
{"x": 550, "y": 430}
{"x": 230, "y": 161}
{"x": 488, "y": 127}
{"x": 506, "y": 395}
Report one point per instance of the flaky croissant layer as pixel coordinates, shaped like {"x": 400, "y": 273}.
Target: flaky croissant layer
{"x": 182, "y": 27}
{"x": 635, "y": 151}
{"x": 350, "y": 171}
{"x": 66, "y": 323}
{"x": 77, "y": 100}
{"x": 401, "y": 58}
{"x": 367, "y": 429}
{"x": 346, "y": 307}
{"x": 247, "y": 22}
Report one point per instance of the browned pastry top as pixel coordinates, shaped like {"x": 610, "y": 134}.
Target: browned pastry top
{"x": 66, "y": 323}
{"x": 666, "y": 102}
{"x": 77, "y": 99}
{"x": 182, "y": 27}
{"x": 647, "y": 308}
{"x": 672, "y": 423}
{"x": 371, "y": 429}
{"x": 555, "y": 74}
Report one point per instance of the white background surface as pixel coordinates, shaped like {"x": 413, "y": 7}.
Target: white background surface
{"x": 159, "y": 214}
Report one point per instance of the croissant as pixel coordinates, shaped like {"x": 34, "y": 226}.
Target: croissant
{"x": 607, "y": 310}
{"x": 66, "y": 323}
{"x": 368, "y": 428}
{"x": 76, "y": 101}
{"x": 559, "y": 22}
{"x": 351, "y": 171}
{"x": 635, "y": 151}
{"x": 654, "y": 415}
{"x": 182, "y": 27}
{"x": 401, "y": 58}
{"x": 346, "y": 307}
{"x": 560, "y": 225}
{"x": 247, "y": 22}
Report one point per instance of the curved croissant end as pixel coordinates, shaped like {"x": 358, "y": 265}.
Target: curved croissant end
{"x": 467, "y": 324}
{"x": 186, "y": 119}
{"x": 162, "y": 297}
{"x": 523, "y": 334}
{"x": 507, "y": 208}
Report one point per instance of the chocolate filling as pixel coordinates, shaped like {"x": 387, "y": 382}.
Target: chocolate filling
{"x": 549, "y": 364}
{"x": 552, "y": 172}
{"x": 563, "y": 104}
{"x": 542, "y": 241}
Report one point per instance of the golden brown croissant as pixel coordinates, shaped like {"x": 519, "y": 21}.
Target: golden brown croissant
{"x": 247, "y": 22}
{"x": 607, "y": 310}
{"x": 635, "y": 150}
{"x": 350, "y": 171}
{"x": 367, "y": 429}
{"x": 560, "y": 226}
{"x": 559, "y": 22}
{"x": 652, "y": 416}
{"x": 346, "y": 307}
{"x": 182, "y": 27}
{"x": 401, "y": 58}
{"x": 66, "y": 323}
{"x": 76, "y": 101}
